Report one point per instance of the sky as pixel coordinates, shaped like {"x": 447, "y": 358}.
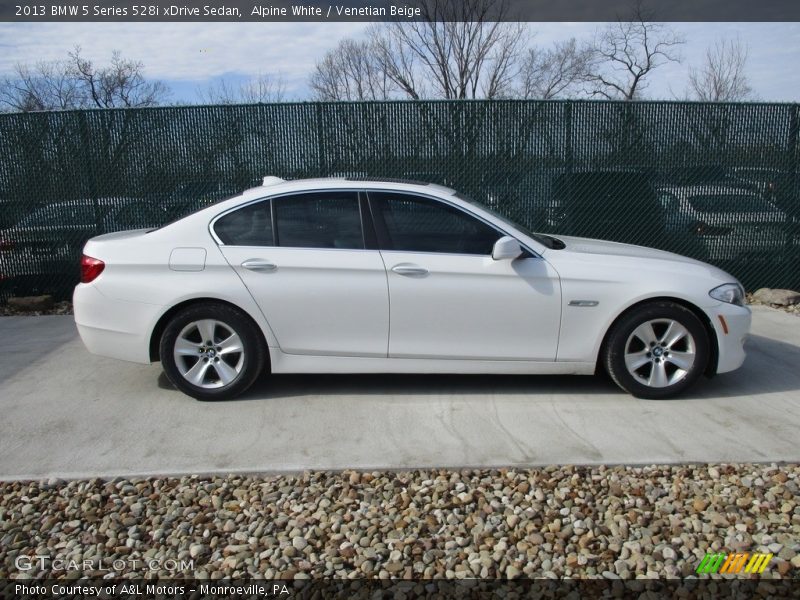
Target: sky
{"x": 190, "y": 56}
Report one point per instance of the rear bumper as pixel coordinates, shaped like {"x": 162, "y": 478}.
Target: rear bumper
{"x": 732, "y": 326}
{"x": 114, "y": 328}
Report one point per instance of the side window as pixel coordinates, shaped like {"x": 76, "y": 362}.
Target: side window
{"x": 248, "y": 226}
{"x": 319, "y": 220}
{"x": 416, "y": 224}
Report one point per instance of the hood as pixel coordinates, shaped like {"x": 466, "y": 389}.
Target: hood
{"x": 612, "y": 260}
{"x": 588, "y": 246}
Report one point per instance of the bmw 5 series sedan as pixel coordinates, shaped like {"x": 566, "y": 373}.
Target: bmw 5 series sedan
{"x": 365, "y": 276}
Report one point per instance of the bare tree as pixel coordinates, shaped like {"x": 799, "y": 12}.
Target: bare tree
{"x": 351, "y": 72}
{"x": 555, "y": 72}
{"x": 625, "y": 54}
{"x": 460, "y": 49}
{"x": 76, "y": 82}
{"x": 398, "y": 61}
{"x": 43, "y": 86}
{"x": 263, "y": 88}
{"x": 119, "y": 84}
{"x": 722, "y": 77}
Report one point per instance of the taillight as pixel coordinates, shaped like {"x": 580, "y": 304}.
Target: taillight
{"x": 706, "y": 230}
{"x": 91, "y": 268}
{"x": 6, "y": 245}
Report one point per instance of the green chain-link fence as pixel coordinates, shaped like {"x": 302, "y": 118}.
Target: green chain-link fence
{"x": 718, "y": 182}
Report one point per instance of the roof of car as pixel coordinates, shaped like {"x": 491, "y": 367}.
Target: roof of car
{"x": 274, "y": 184}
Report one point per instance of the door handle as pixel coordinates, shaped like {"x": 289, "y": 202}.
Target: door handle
{"x": 261, "y": 266}
{"x": 410, "y": 270}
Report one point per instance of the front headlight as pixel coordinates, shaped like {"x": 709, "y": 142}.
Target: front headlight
{"x": 732, "y": 293}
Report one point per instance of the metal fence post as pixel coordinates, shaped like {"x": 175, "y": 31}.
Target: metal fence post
{"x": 321, "y": 141}
{"x": 569, "y": 158}
{"x": 569, "y": 154}
{"x": 794, "y": 201}
{"x": 87, "y": 144}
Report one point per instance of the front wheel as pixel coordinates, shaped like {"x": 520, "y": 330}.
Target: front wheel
{"x": 212, "y": 352}
{"x": 657, "y": 350}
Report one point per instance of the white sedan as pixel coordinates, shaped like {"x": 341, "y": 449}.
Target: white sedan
{"x": 366, "y": 276}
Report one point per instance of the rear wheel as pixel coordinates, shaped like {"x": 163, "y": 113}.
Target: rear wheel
{"x": 212, "y": 352}
{"x": 657, "y": 350}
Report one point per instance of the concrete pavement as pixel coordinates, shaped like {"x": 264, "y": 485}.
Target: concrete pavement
{"x": 67, "y": 413}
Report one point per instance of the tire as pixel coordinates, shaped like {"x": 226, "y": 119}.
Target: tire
{"x": 222, "y": 370}
{"x": 656, "y": 350}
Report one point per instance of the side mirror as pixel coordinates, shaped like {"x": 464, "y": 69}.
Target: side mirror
{"x": 506, "y": 248}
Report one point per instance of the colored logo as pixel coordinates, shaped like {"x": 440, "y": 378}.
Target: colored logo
{"x": 741, "y": 562}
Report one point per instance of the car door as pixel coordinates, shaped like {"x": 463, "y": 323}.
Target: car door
{"x": 304, "y": 259}
{"x": 449, "y": 299}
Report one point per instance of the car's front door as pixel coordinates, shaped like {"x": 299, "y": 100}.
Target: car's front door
{"x": 304, "y": 259}
{"x": 449, "y": 299}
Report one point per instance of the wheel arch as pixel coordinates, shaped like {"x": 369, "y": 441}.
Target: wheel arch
{"x": 161, "y": 324}
{"x": 711, "y": 368}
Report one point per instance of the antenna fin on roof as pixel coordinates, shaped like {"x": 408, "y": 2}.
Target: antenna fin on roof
{"x": 271, "y": 180}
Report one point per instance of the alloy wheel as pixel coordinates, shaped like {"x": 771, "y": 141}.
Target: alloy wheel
{"x": 660, "y": 353}
{"x": 209, "y": 354}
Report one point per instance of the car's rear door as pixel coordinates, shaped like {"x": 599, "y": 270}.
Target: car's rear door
{"x": 449, "y": 298}
{"x": 305, "y": 260}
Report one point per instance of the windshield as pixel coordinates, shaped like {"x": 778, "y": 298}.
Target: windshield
{"x": 545, "y": 240}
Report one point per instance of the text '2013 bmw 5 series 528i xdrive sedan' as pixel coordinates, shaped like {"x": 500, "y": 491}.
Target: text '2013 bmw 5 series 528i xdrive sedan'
{"x": 364, "y": 276}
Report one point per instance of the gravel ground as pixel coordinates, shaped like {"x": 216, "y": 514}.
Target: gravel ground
{"x": 59, "y": 308}
{"x": 655, "y": 521}
{"x": 792, "y": 309}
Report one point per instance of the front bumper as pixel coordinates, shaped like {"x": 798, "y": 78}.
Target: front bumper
{"x": 732, "y": 326}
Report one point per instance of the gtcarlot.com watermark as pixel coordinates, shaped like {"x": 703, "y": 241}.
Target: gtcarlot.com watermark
{"x": 47, "y": 563}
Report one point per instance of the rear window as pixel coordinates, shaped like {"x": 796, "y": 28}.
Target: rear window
{"x": 726, "y": 203}
{"x": 248, "y": 226}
